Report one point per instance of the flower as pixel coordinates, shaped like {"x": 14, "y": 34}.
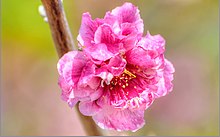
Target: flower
{"x": 117, "y": 32}
{"x": 119, "y": 72}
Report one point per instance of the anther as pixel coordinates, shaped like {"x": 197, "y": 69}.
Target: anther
{"x": 129, "y": 73}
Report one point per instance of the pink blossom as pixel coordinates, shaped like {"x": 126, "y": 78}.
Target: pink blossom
{"x": 119, "y": 73}
{"x": 117, "y": 32}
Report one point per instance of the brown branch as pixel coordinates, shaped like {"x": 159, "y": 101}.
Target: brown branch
{"x": 58, "y": 25}
{"x": 63, "y": 42}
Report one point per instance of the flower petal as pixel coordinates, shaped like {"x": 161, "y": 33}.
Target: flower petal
{"x": 155, "y": 43}
{"x": 165, "y": 83}
{"x": 104, "y": 34}
{"x": 87, "y": 93}
{"x": 87, "y": 29}
{"x": 71, "y": 65}
{"x": 117, "y": 65}
{"x": 96, "y": 94}
{"x": 89, "y": 108}
{"x": 113, "y": 22}
{"x": 88, "y": 76}
{"x": 130, "y": 36}
{"x": 116, "y": 119}
{"x": 99, "y": 52}
{"x": 130, "y": 14}
{"x": 139, "y": 57}
{"x": 67, "y": 92}
{"x": 69, "y": 57}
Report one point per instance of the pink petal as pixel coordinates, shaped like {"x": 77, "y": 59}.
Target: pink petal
{"x": 66, "y": 88}
{"x": 131, "y": 36}
{"x": 96, "y": 94}
{"x": 113, "y": 22}
{"x": 72, "y": 102}
{"x": 71, "y": 65}
{"x": 168, "y": 75}
{"x": 169, "y": 67}
{"x": 68, "y": 57}
{"x": 67, "y": 92}
{"x": 116, "y": 119}
{"x": 130, "y": 14}
{"x": 89, "y": 108}
{"x": 135, "y": 96}
{"x": 88, "y": 76}
{"x": 117, "y": 65}
{"x": 142, "y": 102}
{"x": 99, "y": 52}
{"x": 104, "y": 34}
{"x": 87, "y": 93}
{"x": 153, "y": 43}
{"x": 140, "y": 57}
{"x": 82, "y": 92}
{"x": 87, "y": 30}
{"x": 165, "y": 83}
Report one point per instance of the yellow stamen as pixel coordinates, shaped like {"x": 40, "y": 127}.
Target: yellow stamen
{"x": 129, "y": 73}
{"x": 83, "y": 47}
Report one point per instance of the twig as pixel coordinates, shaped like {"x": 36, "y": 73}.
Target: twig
{"x": 63, "y": 41}
{"x": 58, "y": 25}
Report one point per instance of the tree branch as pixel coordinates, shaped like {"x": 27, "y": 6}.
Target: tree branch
{"x": 63, "y": 42}
{"x": 58, "y": 25}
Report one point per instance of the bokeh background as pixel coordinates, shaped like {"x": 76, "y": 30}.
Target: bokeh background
{"x": 30, "y": 97}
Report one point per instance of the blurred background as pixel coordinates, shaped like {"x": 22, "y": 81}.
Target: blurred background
{"x": 30, "y": 97}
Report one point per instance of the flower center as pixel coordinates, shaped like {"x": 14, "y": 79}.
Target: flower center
{"x": 122, "y": 80}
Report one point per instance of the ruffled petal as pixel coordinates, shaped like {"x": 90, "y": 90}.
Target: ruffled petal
{"x": 99, "y": 52}
{"x": 96, "y": 94}
{"x": 130, "y": 36}
{"x": 87, "y": 29}
{"x": 155, "y": 44}
{"x": 139, "y": 57}
{"x": 88, "y": 76}
{"x": 113, "y": 22}
{"x": 82, "y": 92}
{"x": 87, "y": 93}
{"x": 70, "y": 57}
{"x": 117, "y": 65}
{"x": 128, "y": 13}
{"x": 142, "y": 102}
{"x": 70, "y": 66}
{"x": 120, "y": 120}
{"x": 67, "y": 92}
{"x": 105, "y": 35}
{"x": 165, "y": 83}
{"x": 89, "y": 108}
